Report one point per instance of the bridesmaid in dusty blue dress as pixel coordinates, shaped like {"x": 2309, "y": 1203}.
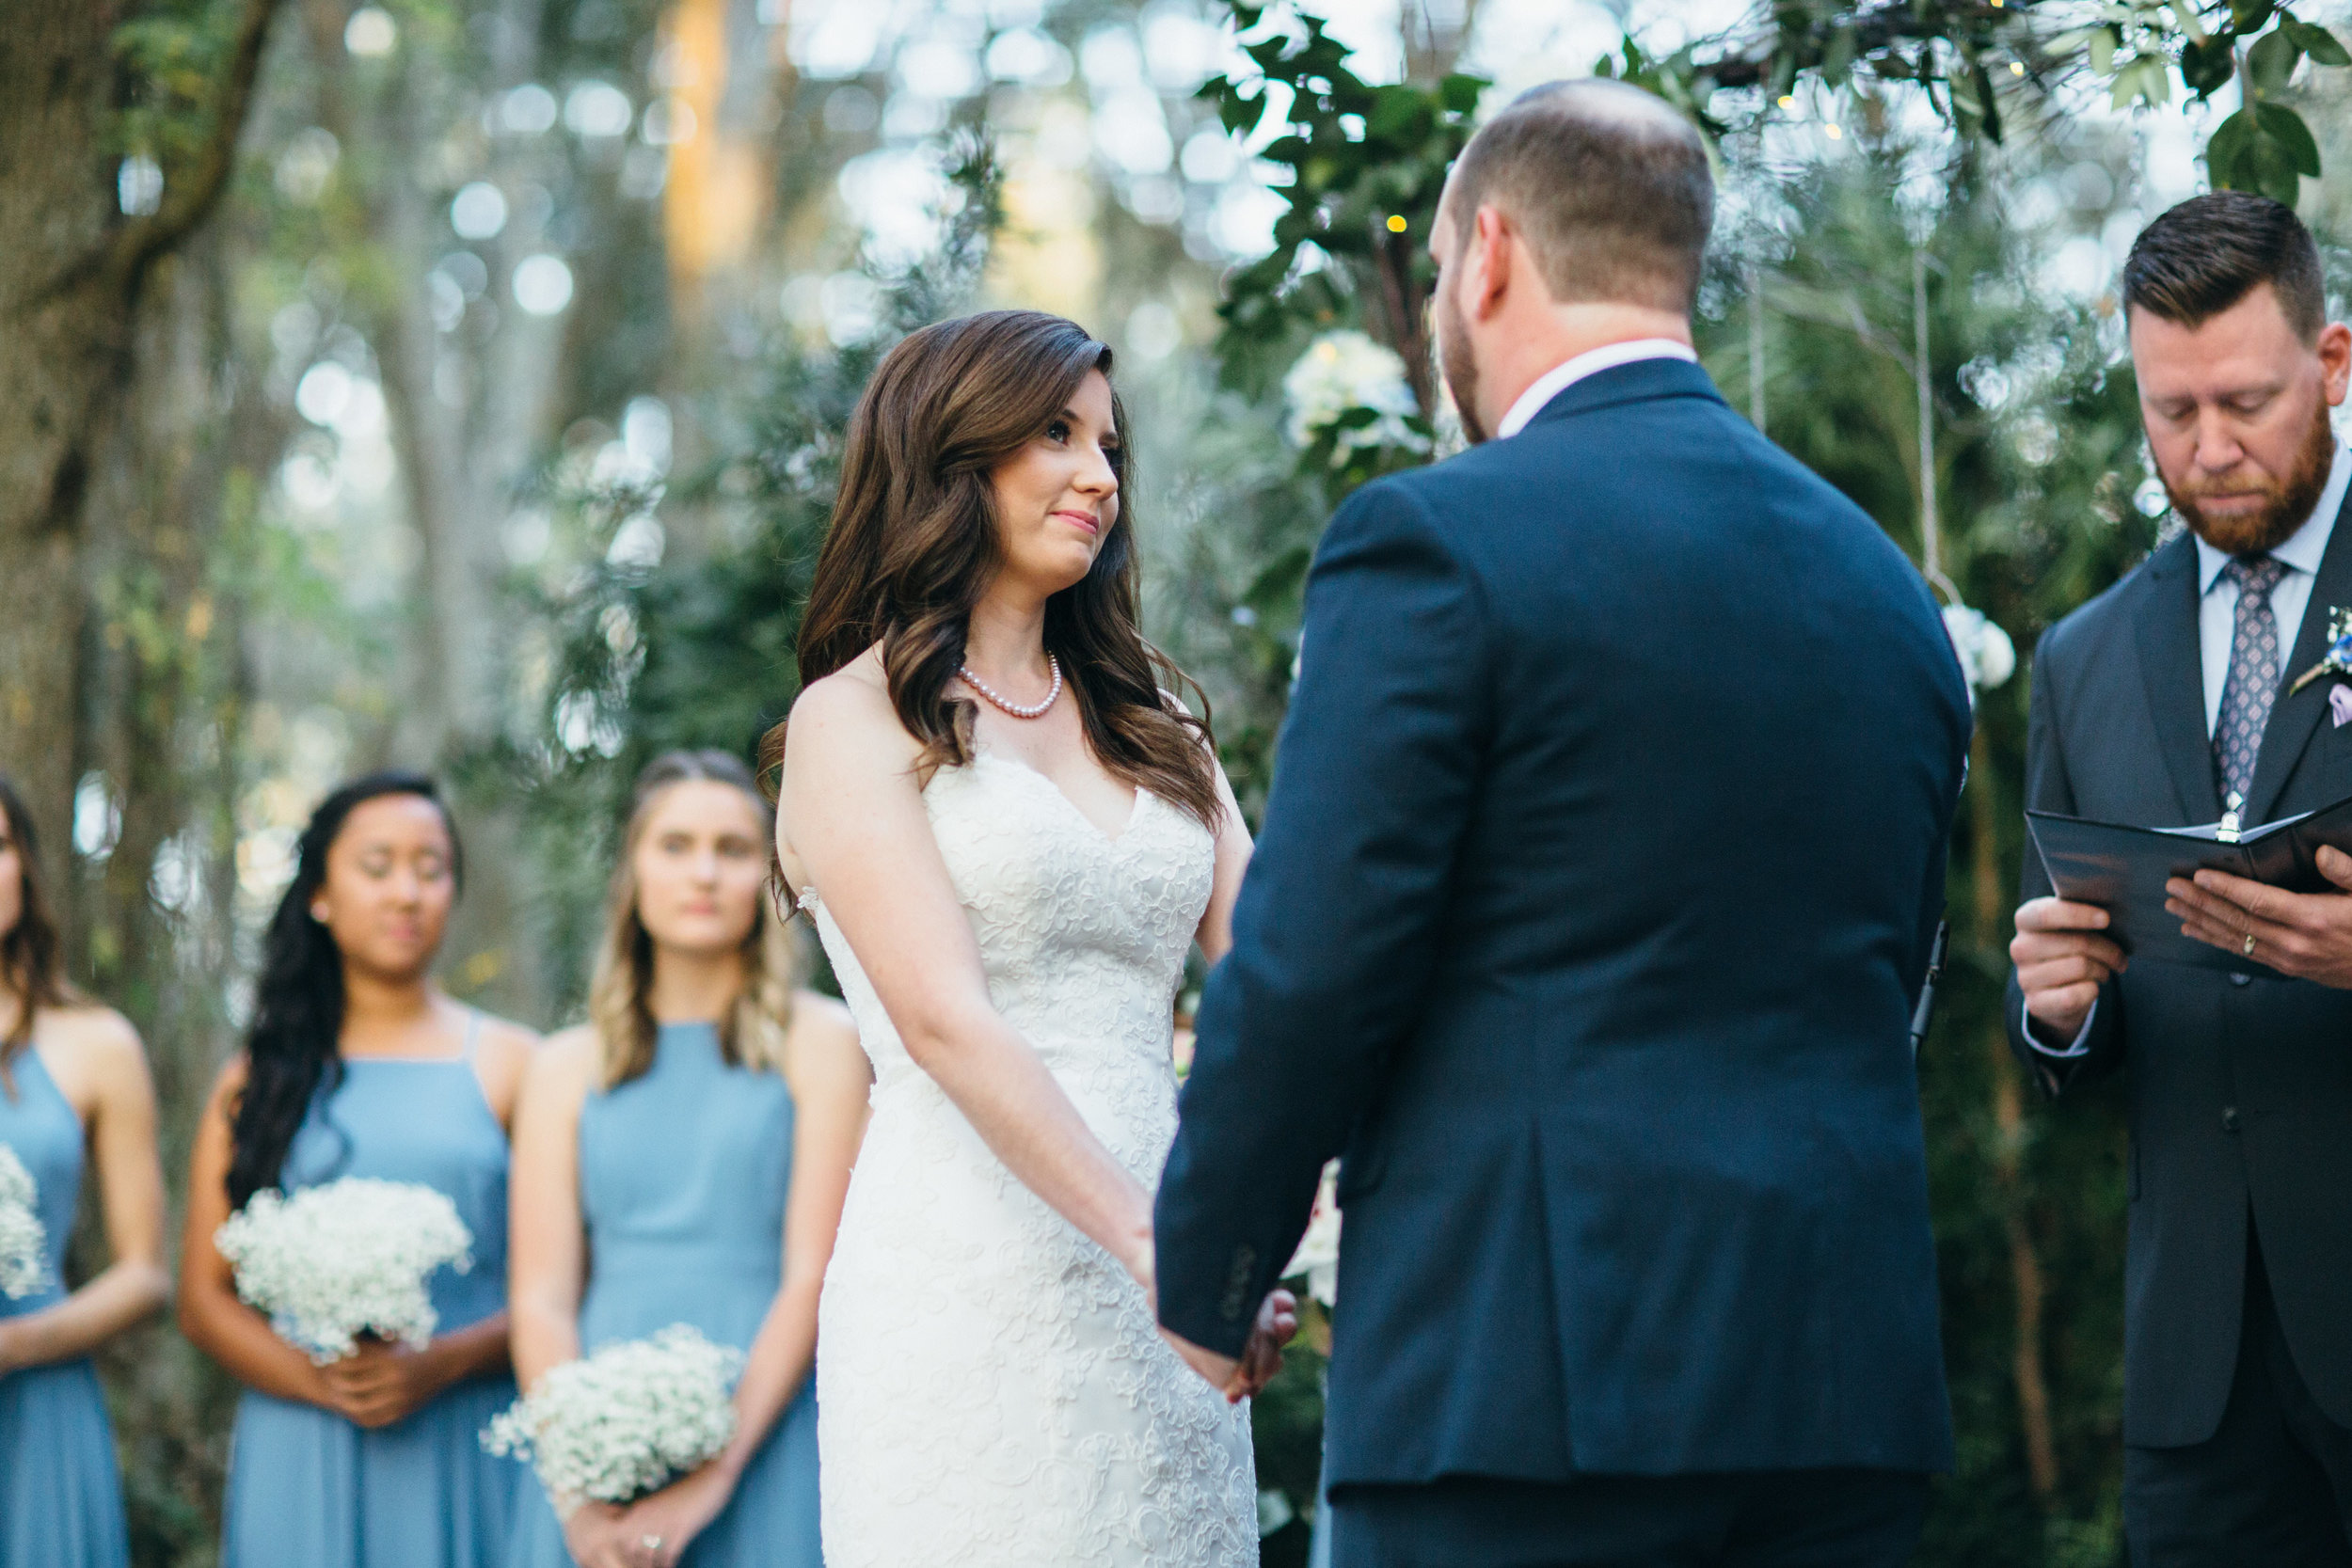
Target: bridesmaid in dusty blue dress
{"x": 357, "y": 1065}
{"x": 682, "y": 1159}
{"x": 73, "y": 1078}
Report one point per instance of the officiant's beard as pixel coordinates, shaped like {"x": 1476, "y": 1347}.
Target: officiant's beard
{"x": 1459, "y": 367}
{"x": 2289, "y": 506}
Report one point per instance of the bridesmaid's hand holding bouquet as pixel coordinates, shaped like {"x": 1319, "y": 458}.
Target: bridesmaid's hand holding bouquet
{"x": 346, "y": 1261}
{"x": 616, "y": 1425}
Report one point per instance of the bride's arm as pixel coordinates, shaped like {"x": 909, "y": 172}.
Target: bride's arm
{"x": 1216, "y": 934}
{"x": 859, "y": 829}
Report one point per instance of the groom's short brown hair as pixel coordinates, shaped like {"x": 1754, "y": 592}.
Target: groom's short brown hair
{"x": 1608, "y": 185}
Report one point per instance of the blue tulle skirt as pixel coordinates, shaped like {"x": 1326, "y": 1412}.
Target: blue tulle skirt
{"x": 770, "y": 1522}
{"x": 60, "y": 1494}
{"x": 307, "y": 1489}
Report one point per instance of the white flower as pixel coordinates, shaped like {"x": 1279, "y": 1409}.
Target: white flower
{"x": 1318, "y": 1254}
{"x": 23, "y": 1243}
{"x": 1987, "y": 657}
{"x": 1341, "y": 370}
{"x": 349, "y": 1257}
{"x": 620, "y": 1423}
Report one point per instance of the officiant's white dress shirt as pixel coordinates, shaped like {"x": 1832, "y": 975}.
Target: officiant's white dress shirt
{"x": 1591, "y": 362}
{"x": 2216, "y": 628}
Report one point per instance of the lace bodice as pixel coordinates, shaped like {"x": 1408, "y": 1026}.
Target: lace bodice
{"x": 992, "y": 1390}
{"x": 1082, "y": 936}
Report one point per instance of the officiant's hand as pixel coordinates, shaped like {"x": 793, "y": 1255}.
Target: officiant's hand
{"x": 2061, "y": 962}
{"x": 2308, "y": 935}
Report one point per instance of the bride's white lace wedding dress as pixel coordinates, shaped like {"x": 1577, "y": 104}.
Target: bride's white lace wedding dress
{"x": 992, "y": 1391}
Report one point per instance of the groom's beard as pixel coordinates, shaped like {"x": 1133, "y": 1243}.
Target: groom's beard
{"x": 2287, "y": 505}
{"x": 1460, "y": 368}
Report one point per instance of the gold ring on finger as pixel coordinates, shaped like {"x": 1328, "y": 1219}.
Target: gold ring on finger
{"x": 2250, "y": 945}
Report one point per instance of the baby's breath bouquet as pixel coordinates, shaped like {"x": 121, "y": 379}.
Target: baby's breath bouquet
{"x": 620, "y": 1423}
{"x": 24, "y": 1245}
{"x": 345, "y": 1258}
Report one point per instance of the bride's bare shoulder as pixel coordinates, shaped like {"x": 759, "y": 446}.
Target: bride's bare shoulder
{"x": 848, "y": 711}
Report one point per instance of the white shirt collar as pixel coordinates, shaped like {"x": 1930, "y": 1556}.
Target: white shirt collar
{"x": 2308, "y": 546}
{"x": 1560, "y": 378}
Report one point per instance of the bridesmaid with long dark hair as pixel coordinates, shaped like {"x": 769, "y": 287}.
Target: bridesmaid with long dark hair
{"x": 357, "y": 1065}
{"x": 73, "y": 1091}
{"x": 681, "y": 1159}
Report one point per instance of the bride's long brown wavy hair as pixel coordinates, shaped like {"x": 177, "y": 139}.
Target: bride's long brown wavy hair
{"x": 914, "y": 546}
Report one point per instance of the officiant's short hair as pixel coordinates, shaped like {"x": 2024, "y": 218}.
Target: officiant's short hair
{"x": 1608, "y": 187}
{"x": 2201, "y": 257}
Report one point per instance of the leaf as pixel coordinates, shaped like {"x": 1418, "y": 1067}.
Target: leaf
{"x": 1991, "y": 105}
{"x": 2226, "y": 149}
{"x": 2144, "y": 80}
{"x": 2285, "y": 127}
{"x": 2315, "y": 41}
{"x": 2207, "y": 66}
{"x": 1460, "y": 92}
{"x": 2269, "y": 63}
{"x": 2103, "y": 50}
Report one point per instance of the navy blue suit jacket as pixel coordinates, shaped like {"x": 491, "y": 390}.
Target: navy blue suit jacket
{"x": 1605, "y": 848}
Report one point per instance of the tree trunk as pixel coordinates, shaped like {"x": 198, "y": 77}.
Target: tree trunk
{"x": 67, "y": 305}
{"x": 62, "y": 365}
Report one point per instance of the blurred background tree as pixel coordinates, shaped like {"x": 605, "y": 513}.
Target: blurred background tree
{"x": 461, "y": 382}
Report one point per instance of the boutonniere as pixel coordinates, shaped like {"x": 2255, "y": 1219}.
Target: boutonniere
{"x": 2337, "y": 662}
{"x": 2338, "y": 659}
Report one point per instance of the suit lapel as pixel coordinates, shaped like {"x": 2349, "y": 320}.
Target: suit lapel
{"x": 2295, "y": 720}
{"x": 2164, "y": 624}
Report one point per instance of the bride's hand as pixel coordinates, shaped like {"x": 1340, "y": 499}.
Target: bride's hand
{"x": 1261, "y": 1357}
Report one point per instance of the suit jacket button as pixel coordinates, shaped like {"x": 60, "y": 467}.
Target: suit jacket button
{"x": 2239, "y": 977}
{"x": 2229, "y": 1118}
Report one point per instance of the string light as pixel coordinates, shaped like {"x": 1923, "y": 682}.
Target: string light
{"x": 1787, "y": 100}
{"x": 1396, "y": 223}
{"x": 1832, "y": 131}
{"x": 2015, "y": 69}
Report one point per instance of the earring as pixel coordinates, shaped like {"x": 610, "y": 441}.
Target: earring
{"x": 318, "y": 914}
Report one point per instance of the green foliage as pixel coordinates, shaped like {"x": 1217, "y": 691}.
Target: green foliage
{"x": 1363, "y": 169}
{"x": 701, "y": 651}
{"x": 1947, "y": 49}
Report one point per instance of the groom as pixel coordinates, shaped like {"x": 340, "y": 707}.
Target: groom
{"x": 1604, "y": 856}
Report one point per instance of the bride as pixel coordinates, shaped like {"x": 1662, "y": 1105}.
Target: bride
{"x": 1008, "y": 835}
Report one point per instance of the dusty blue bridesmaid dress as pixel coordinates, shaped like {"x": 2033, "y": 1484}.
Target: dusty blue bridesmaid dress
{"x": 683, "y": 1174}
{"x": 60, "y": 1495}
{"x": 308, "y": 1489}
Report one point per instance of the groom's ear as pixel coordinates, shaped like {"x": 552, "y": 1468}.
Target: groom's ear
{"x": 1490, "y": 258}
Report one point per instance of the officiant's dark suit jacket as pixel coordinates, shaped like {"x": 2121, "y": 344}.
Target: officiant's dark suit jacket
{"x": 1605, "y": 848}
{"x": 2241, "y": 1079}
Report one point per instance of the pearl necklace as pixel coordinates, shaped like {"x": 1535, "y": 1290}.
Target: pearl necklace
{"x": 1016, "y": 708}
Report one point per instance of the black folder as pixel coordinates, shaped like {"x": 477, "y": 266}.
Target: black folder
{"x": 2123, "y": 870}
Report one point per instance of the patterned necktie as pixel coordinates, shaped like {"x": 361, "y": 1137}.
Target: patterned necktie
{"x": 2253, "y": 683}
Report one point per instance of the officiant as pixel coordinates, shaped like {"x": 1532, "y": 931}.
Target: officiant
{"x": 2199, "y": 690}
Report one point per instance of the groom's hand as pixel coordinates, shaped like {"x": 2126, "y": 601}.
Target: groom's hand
{"x": 1261, "y": 1358}
{"x": 1216, "y": 1370}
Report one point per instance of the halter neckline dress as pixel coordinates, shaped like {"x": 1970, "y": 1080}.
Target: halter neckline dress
{"x": 684, "y": 1174}
{"x": 307, "y": 1488}
{"x": 60, "y": 1494}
